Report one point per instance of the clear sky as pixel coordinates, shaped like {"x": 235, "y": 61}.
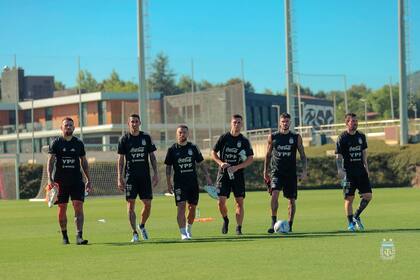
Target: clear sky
{"x": 357, "y": 38}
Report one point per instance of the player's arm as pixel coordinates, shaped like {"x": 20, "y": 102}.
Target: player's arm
{"x": 168, "y": 178}
{"x": 153, "y": 162}
{"x": 364, "y": 158}
{"x": 85, "y": 167}
{"x": 50, "y": 167}
{"x": 303, "y": 157}
{"x": 244, "y": 164}
{"x": 120, "y": 171}
{"x": 267, "y": 158}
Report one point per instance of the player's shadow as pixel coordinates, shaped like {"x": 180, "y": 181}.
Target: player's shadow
{"x": 257, "y": 236}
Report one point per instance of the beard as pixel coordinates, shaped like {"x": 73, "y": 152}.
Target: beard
{"x": 68, "y": 133}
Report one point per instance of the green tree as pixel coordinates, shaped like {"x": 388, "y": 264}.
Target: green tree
{"x": 162, "y": 78}
{"x": 58, "y": 85}
{"x": 87, "y": 82}
{"x": 114, "y": 84}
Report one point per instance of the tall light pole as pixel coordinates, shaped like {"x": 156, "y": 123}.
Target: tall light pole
{"x": 289, "y": 62}
{"x": 141, "y": 68}
{"x": 403, "y": 79}
{"x": 80, "y": 99}
{"x": 243, "y": 95}
{"x": 33, "y": 130}
{"x": 365, "y": 101}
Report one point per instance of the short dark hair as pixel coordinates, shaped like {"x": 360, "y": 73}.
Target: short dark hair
{"x": 182, "y": 126}
{"x": 285, "y": 116}
{"x": 348, "y": 116}
{"x": 135, "y": 116}
{"x": 67, "y": 119}
{"x": 236, "y": 116}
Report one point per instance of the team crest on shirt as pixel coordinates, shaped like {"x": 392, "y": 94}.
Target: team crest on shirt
{"x": 72, "y": 150}
{"x": 64, "y": 149}
{"x": 239, "y": 144}
{"x": 190, "y": 152}
{"x": 360, "y": 140}
{"x": 143, "y": 142}
{"x": 291, "y": 140}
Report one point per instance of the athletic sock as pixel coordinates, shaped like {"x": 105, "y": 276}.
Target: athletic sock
{"x": 141, "y": 226}
{"x": 135, "y": 232}
{"x": 273, "y": 220}
{"x": 226, "y": 219}
{"x": 80, "y": 234}
{"x": 363, "y": 204}
{"x": 64, "y": 233}
{"x": 290, "y": 225}
{"x": 350, "y": 219}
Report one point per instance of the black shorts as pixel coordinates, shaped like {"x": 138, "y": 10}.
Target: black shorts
{"x": 226, "y": 185}
{"x": 287, "y": 184}
{"x": 357, "y": 181}
{"x": 189, "y": 193}
{"x": 138, "y": 186}
{"x": 76, "y": 191}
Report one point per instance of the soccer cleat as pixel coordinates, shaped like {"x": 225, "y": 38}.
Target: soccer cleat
{"x": 184, "y": 237}
{"x": 66, "y": 241}
{"x": 351, "y": 227}
{"x": 225, "y": 227}
{"x": 358, "y": 223}
{"x": 81, "y": 241}
{"x": 135, "y": 238}
{"x": 270, "y": 230}
{"x": 143, "y": 233}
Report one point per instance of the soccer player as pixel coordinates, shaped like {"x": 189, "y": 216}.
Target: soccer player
{"x": 351, "y": 159}
{"x": 66, "y": 155}
{"x": 135, "y": 149}
{"x": 280, "y": 159}
{"x": 183, "y": 156}
{"x": 232, "y": 153}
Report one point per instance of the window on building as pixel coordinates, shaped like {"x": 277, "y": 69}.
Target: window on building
{"x": 102, "y": 112}
{"x": 48, "y": 117}
{"x": 84, "y": 114}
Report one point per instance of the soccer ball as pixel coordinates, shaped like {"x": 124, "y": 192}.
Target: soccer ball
{"x": 281, "y": 226}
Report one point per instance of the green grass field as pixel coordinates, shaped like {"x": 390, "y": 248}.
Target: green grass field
{"x": 319, "y": 248}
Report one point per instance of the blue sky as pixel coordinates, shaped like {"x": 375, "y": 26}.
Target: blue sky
{"x": 357, "y": 38}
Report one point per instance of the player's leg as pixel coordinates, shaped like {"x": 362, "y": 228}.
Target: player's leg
{"x": 62, "y": 220}
{"x": 145, "y": 214}
{"x": 181, "y": 205}
{"x": 131, "y": 207}
{"x": 192, "y": 199}
{"x": 79, "y": 221}
{"x": 239, "y": 212}
{"x": 348, "y": 209}
{"x": 224, "y": 212}
{"x": 291, "y": 212}
{"x": 274, "y": 203}
{"x": 366, "y": 196}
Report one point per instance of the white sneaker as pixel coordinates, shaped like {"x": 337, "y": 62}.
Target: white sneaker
{"x": 184, "y": 237}
{"x": 143, "y": 232}
{"x": 135, "y": 238}
{"x": 184, "y": 234}
{"x": 188, "y": 230}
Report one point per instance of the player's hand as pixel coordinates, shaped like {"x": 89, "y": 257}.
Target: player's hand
{"x": 267, "y": 183}
{"x": 155, "y": 180}
{"x": 170, "y": 189}
{"x": 266, "y": 177}
{"x": 341, "y": 173}
{"x": 224, "y": 165}
{"x": 121, "y": 184}
{"x": 88, "y": 187}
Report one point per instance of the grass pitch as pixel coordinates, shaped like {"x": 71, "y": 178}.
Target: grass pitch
{"x": 319, "y": 247}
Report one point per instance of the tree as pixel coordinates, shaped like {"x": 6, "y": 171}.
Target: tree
{"x": 58, "y": 85}
{"x": 114, "y": 84}
{"x": 162, "y": 78}
{"x": 86, "y": 81}
{"x": 184, "y": 84}
{"x": 249, "y": 88}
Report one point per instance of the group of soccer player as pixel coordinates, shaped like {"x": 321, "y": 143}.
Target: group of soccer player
{"x": 232, "y": 153}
